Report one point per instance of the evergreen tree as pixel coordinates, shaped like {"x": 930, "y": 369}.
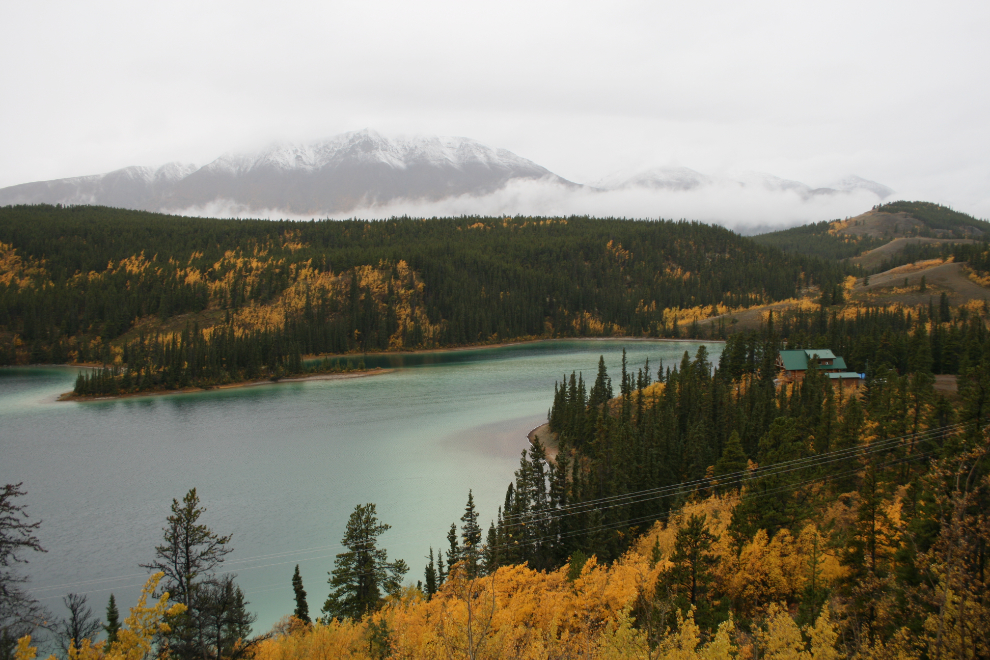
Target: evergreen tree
{"x": 189, "y": 558}
{"x": 190, "y": 550}
{"x": 361, "y": 574}
{"x": 113, "y": 621}
{"x": 732, "y": 462}
{"x": 431, "y": 576}
{"x": 601, "y": 391}
{"x": 693, "y": 561}
{"x": 223, "y": 621}
{"x": 302, "y": 607}
{"x": 454, "y": 549}
{"x": 470, "y": 536}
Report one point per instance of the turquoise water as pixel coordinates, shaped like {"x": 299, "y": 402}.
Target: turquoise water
{"x": 280, "y": 466}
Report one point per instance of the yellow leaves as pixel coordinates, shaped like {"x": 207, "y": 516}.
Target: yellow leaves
{"x": 782, "y": 639}
{"x": 134, "y": 637}
{"x": 975, "y": 277}
{"x": 690, "y": 314}
{"x": 849, "y": 283}
{"x": 24, "y": 649}
{"x": 718, "y": 512}
{"x": 15, "y": 270}
{"x": 684, "y": 644}
{"x": 591, "y": 323}
{"x": 622, "y": 256}
{"x": 336, "y": 639}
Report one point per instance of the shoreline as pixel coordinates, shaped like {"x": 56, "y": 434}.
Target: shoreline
{"x": 546, "y": 438}
{"x": 69, "y": 396}
{"x": 537, "y": 432}
{"x": 506, "y": 344}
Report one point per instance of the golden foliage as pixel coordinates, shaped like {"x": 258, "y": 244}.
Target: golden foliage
{"x": 14, "y": 269}
{"x": 134, "y": 637}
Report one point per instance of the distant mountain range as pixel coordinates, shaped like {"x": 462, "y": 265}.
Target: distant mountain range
{"x": 358, "y": 170}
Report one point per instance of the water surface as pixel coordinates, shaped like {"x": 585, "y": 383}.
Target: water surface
{"x": 281, "y": 467}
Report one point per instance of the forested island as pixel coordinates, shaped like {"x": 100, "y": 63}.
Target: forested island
{"x": 694, "y": 510}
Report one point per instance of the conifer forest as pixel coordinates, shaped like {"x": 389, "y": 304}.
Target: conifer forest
{"x": 713, "y": 507}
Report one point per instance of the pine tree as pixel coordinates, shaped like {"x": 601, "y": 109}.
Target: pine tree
{"x": 732, "y": 462}
{"x": 454, "y": 550}
{"x": 113, "y": 621}
{"x": 694, "y": 561}
{"x": 361, "y": 574}
{"x": 470, "y": 536}
{"x": 191, "y": 550}
{"x": 302, "y": 607}
{"x": 601, "y": 391}
{"x": 431, "y": 576}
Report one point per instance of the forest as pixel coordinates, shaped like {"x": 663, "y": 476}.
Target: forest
{"x": 700, "y": 510}
{"x": 703, "y": 509}
{"x": 169, "y": 302}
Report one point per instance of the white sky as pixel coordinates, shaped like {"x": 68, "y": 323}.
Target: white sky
{"x": 896, "y": 92}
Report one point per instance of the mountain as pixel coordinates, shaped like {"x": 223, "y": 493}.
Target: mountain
{"x": 335, "y": 175}
{"x": 131, "y": 187}
{"x": 363, "y": 169}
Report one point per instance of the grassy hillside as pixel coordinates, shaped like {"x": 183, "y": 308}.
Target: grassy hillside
{"x": 875, "y": 236}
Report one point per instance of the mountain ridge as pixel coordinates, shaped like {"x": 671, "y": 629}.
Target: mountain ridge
{"x": 362, "y": 169}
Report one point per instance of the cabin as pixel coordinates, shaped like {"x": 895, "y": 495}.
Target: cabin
{"x": 794, "y": 364}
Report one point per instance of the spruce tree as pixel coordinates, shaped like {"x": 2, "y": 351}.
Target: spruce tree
{"x": 732, "y": 462}
{"x": 431, "y": 576}
{"x": 454, "y": 551}
{"x": 470, "y": 536}
{"x": 361, "y": 574}
{"x": 601, "y": 391}
{"x": 694, "y": 561}
{"x": 113, "y": 621}
{"x": 302, "y": 607}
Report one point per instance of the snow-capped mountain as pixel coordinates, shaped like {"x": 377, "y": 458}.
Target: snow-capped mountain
{"x": 336, "y": 175}
{"x": 362, "y": 171}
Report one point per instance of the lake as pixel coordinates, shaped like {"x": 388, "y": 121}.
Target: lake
{"x": 281, "y": 466}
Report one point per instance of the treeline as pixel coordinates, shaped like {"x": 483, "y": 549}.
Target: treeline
{"x": 92, "y": 284}
{"x": 698, "y": 511}
{"x": 815, "y": 240}
{"x": 669, "y": 440}
{"x": 882, "y": 336}
{"x": 976, "y": 255}
{"x": 939, "y": 217}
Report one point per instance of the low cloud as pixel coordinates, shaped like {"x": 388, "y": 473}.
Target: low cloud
{"x": 742, "y": 208}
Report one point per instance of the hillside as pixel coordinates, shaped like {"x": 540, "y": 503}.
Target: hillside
{"x": 881, "y": 232}
{"x": 247, "y": 298}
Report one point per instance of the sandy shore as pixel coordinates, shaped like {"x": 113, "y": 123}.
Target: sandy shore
{"x": 546, "y": 438}
{"x": 69, "y": 396}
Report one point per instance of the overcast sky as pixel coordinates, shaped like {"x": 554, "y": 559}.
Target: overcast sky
{"x": 896, "y": 92}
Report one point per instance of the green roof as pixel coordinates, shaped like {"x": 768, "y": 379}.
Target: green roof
{"x": 844, "y": 374}
{"x": 797, "y": 360}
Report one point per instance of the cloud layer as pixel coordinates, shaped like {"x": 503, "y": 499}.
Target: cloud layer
{"x": 893, "y": 91}
{"x": 740, "y": 208}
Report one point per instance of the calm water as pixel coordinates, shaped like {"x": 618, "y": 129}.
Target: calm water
{"x": 280, "y": 467}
